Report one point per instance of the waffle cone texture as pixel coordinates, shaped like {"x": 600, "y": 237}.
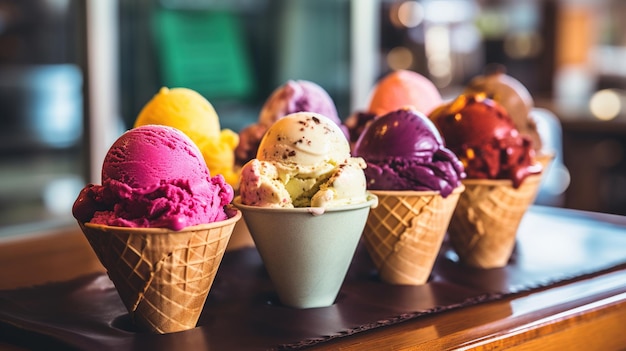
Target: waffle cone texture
{"x": 403, "y": 234}
{"x": 484, "y": 225}
{"x": 162, "y": 276}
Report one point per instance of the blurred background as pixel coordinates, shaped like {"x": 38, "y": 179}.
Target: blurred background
{"x": 75, "y": 73}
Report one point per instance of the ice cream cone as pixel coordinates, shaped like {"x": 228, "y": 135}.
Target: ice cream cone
{"x": 484, "y": 225}
{"x": 307, "y": 250}
{"x": 162, "y": 276}
{"x": 404, "y": 233}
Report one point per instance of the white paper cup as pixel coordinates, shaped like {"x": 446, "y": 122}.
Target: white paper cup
{"x": 307, "y": 251}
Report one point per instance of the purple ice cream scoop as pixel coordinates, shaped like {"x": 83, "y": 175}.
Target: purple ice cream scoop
{"x": 291, "y": 97}
{"x": 297, "y": 96}
{"x": 404, "y": 151}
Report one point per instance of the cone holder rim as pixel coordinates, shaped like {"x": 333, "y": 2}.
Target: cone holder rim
{"x": 236, "y": 215}
{"x": 372, "y": 201}
{"x": 501, "y": 182}
{"x": 457, "y": 190}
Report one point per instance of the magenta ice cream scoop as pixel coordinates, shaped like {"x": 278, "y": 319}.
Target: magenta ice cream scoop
{"x": 154, "y": 176}
{"x": 404, "y": 151}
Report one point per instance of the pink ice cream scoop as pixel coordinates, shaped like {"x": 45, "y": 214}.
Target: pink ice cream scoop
{"x": 293, "y": 96}
{"x": 396, "y": 90}
{"x": 154, "y": 177}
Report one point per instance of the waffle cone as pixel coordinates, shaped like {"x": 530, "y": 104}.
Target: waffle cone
{"x": 484, "y": 225}
{"x": 403, "y": 234}
{"x": 162, "y": 276}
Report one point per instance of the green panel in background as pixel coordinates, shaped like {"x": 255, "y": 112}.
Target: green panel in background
{"x": 203, "y": 51}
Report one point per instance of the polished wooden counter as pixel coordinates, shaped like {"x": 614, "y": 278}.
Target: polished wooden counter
{"x": 588, "y": 314}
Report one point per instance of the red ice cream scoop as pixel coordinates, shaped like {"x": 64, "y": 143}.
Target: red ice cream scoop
{"x": 481, "y": 133}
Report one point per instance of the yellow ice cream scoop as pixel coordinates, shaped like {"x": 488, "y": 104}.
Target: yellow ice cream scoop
{"x": 219, "y": 155}
{"x": 188, "y": 111}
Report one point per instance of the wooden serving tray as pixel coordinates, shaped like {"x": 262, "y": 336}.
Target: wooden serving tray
{"x": 554, "y": 246}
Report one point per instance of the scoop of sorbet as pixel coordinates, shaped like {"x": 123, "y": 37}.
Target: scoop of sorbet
{"x": 404, "y": 151}
{"x": 481, "y": 133}
{"x": 154, "y": 176}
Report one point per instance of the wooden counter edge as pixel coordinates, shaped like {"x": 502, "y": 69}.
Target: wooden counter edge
{"x": 592, "y": 321}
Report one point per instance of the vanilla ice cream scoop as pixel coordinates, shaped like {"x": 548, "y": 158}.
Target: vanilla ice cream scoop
{"x": 309, "y": 142}
{"x": 303, "y": 160}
